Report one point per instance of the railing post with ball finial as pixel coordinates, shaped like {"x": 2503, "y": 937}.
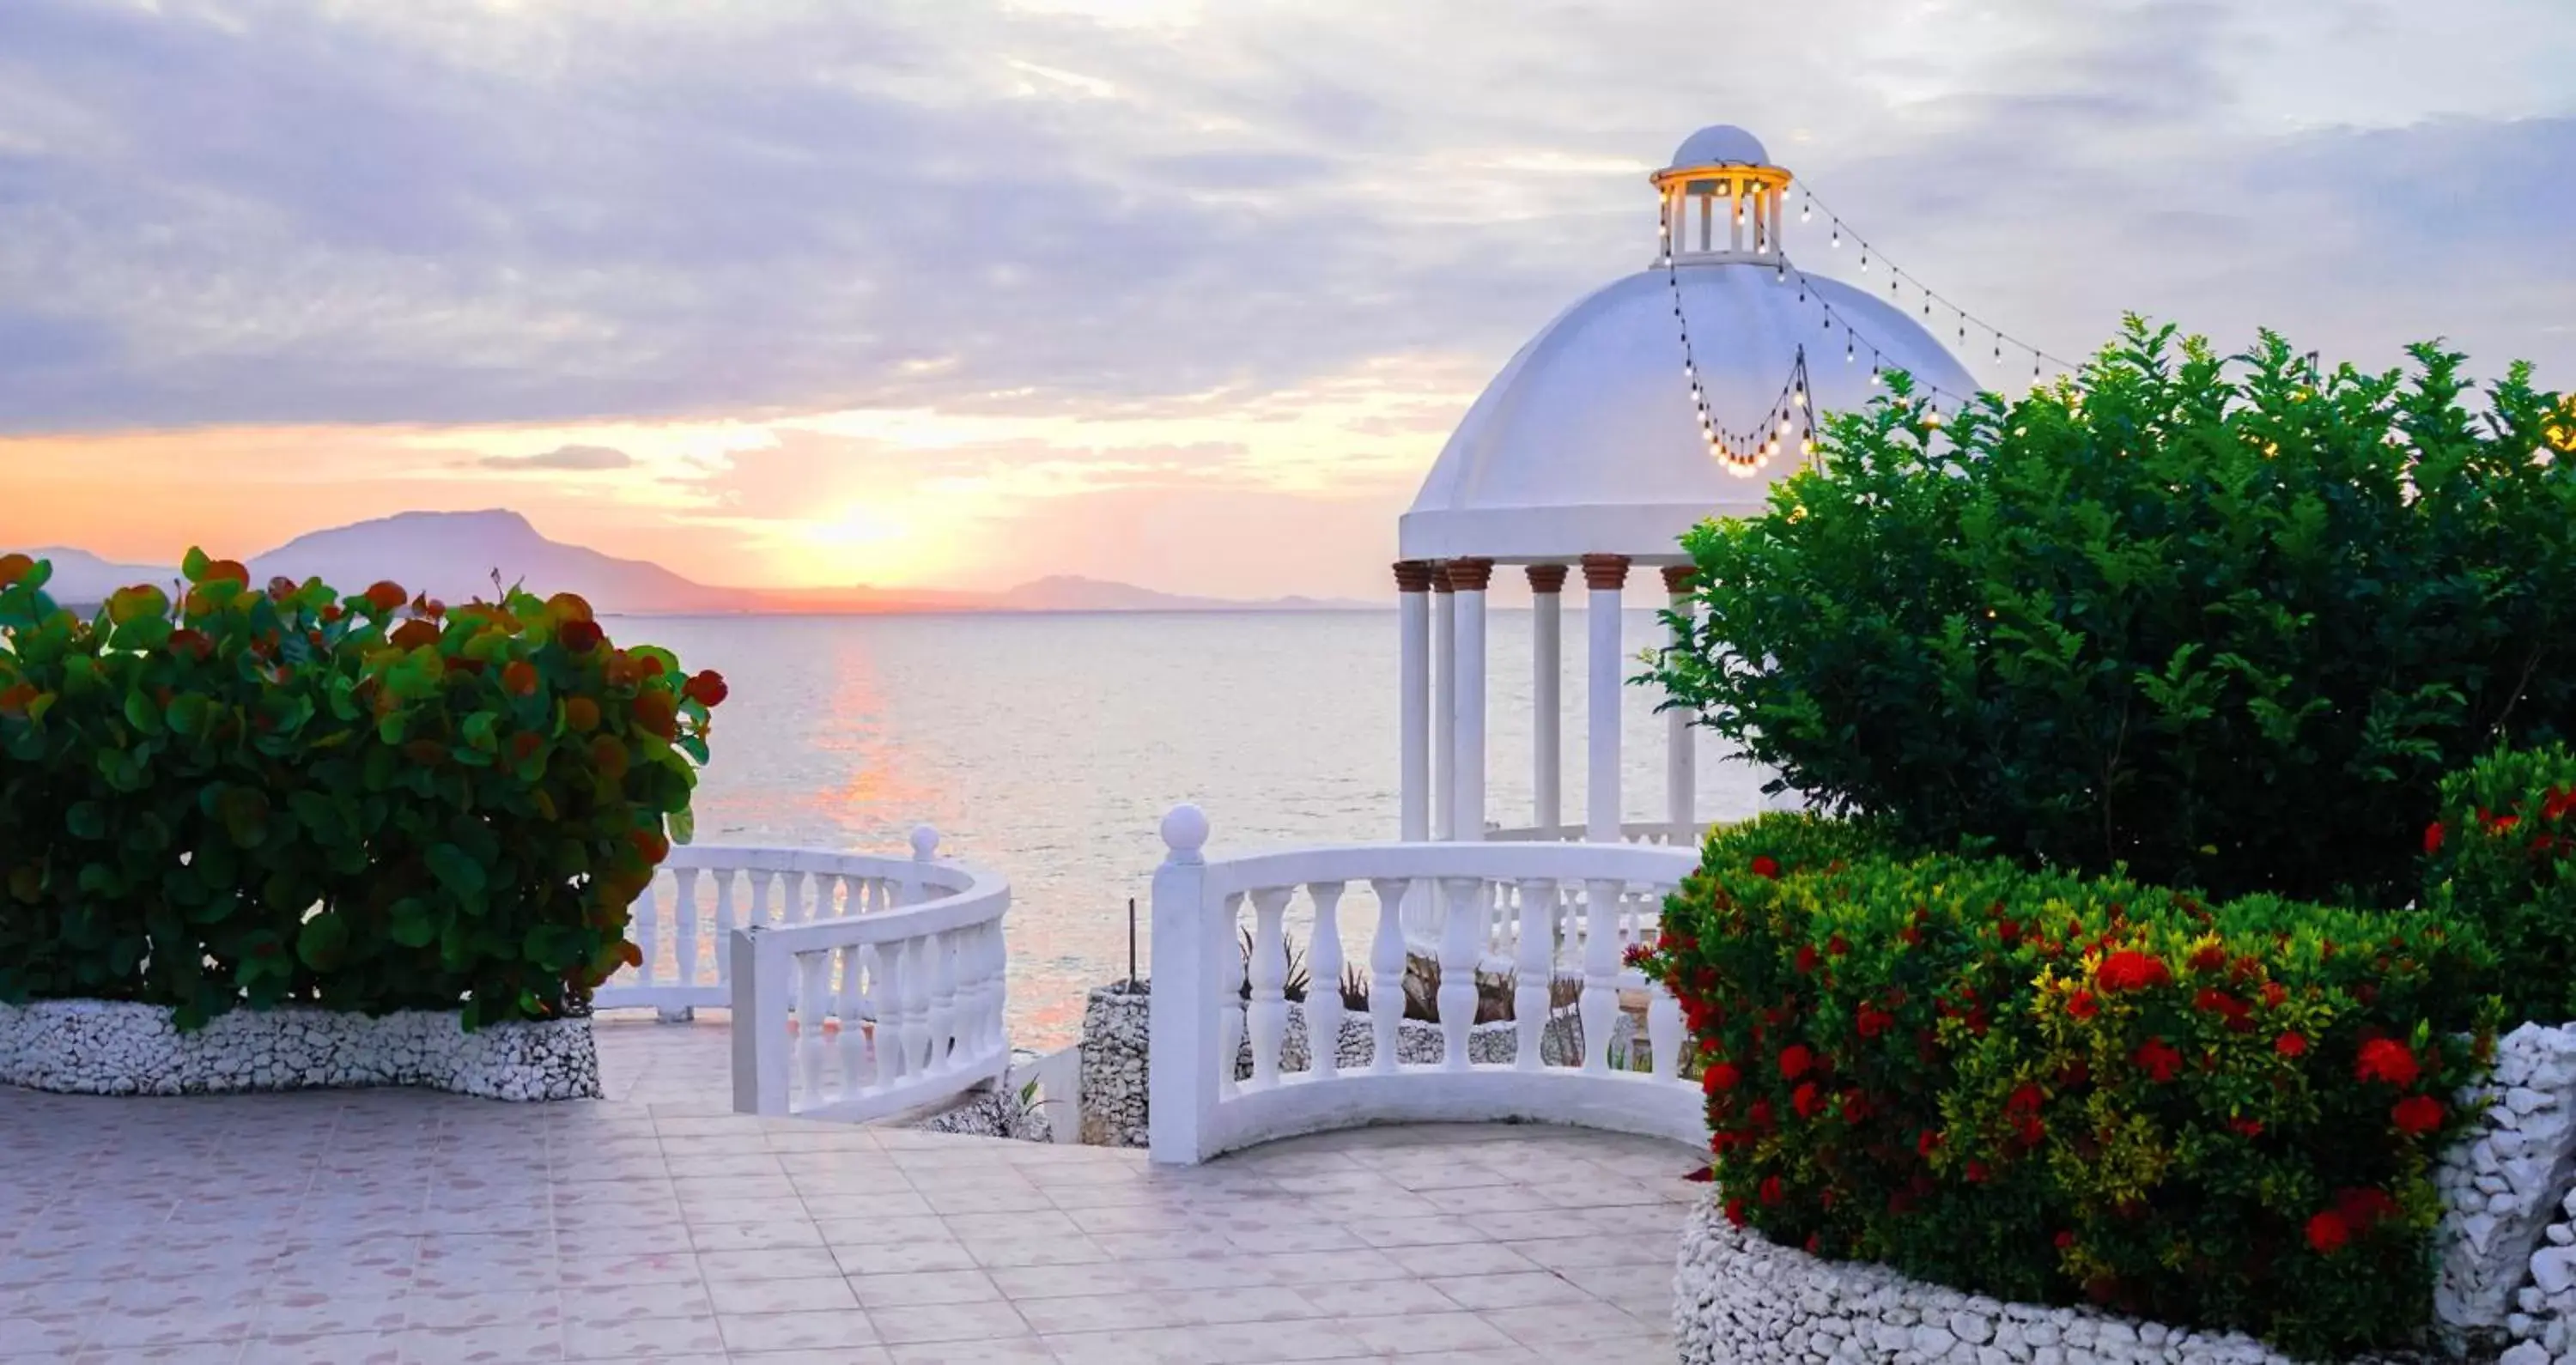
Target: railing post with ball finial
{"x": 1181, "y": 1077}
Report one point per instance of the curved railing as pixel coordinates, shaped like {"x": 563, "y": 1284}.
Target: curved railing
{"x": 870, "y": 1014}
{"x": 1562, "y": 903}
{"x": 683, "y": 923}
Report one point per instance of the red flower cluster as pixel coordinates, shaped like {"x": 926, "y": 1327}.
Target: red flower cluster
{"x": 2131, "y": 970}
{"x": 2158, "y": 1058}
{"x": 2386, "y": 1059}
{"x": 2082, "y": 1005}
{"x": 1766, "y": 866}
{"x": 2416, "y": 1114}
{"x": 1795, "y": 1061}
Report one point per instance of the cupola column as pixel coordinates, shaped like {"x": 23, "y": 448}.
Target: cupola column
{"x": 1547, "y": 690}
{"x": 1681, "y": 756}
{"x": 1604, "y": 575}
{"x": 1735, "y": 218}
{"x": 1413, "y": 626}
{"x": 1468, "y": 579}
{"x": 1444, "y": 704}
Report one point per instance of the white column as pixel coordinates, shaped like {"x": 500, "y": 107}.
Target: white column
{"x": 1468, "y": 579}
{"x": 1681, "y": 756}
{"x": 1735, "y": 214}
{"x": 1547, "y": 679}
{"x": 1604, "y": 575}
{"x": 1444, "y": 705}
{"x": 1413, "y": 619}
{"x": 1778, "y": 192}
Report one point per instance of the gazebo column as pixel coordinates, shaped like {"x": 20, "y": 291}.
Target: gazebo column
{"x": 1444, "y": 705}
{"x": 1547, "y": 679}
{"x": 1604, "y": 575}
{"x": 1468, "y": 579}
{"x": 1413, "y": 621}
{"x": 1681, "y": 757}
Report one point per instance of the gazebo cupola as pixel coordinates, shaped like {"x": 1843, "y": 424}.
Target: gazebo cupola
{"x": 1722, "y": 198}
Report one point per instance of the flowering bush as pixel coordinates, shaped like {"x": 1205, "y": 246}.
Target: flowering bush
{"x": 2502, "y": 855}
{"x": 2224, "y": 621}
{"x": 2052, "y": 1088}
{"x": 365, "y": 802}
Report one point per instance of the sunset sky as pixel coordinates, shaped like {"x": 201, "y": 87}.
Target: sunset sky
{"x": 966, "y": 292}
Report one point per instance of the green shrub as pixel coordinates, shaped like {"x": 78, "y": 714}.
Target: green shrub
{"x": 249, "y": 798}
{"x": 2226, "y": 622}
{"x": 2057, "y": 1089}
{"x": 2502, "y": 856}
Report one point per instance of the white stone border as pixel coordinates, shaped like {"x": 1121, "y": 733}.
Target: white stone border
{"x": 2500, "y": 1188}
{"x": 105, "y": 1047}
{"x": 1739, "y": 1300}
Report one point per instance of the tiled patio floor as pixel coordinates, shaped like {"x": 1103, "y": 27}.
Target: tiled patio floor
{"x": 384, "y": 1226}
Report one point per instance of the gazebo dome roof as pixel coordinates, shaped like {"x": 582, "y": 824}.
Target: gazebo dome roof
{"x": 1720, "y": 144}
{"x": 1588, "y": 441}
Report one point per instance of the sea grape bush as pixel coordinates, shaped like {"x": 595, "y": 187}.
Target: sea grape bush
{"x": 2226, "y": 622}
{"x": 2501, "y": 854}
{"x": 2052, "y": 1088}
{"x": 368, "y": 801}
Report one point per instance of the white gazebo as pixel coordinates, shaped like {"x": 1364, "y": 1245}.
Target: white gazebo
{"x": 1598, "y": 446}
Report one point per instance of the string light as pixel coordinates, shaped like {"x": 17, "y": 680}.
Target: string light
{"x": 1810, "y": 205}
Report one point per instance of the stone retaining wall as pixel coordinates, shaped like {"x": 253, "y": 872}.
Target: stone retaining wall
{"x": 1740, "y": 1300}
{"x": 102, "y": 1047}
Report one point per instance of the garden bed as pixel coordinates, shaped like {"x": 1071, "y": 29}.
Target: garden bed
{"x": 98, "y": 1047}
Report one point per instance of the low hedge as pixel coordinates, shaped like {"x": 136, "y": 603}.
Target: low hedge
{"x": 2502, "y": 856}
{"x": 2054, "y": 1089}
{"x": 363, "y": 801}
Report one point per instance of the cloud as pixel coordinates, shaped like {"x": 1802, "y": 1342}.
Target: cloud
{"x": 293, "y": 211}
{"x": 564, "y": 458}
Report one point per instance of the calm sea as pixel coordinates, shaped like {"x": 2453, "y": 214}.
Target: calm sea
{"x": 1048, "y": 747}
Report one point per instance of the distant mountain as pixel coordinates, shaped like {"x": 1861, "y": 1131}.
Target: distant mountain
{"x": 83, "y": 579}
{"x": 453, "y": 556}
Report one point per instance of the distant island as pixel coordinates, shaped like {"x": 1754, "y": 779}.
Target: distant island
{"x": 453, "y": 555}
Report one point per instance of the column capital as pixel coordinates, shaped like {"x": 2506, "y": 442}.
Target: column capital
{"x": 1605, "y": 573}
{"x": 1678, "y": 577}
{"x": 1439, "y": 575}
{"x": 1470, "y": 575}
{"x": 1546, "y": 578}
{"x": 1413, "y": 575}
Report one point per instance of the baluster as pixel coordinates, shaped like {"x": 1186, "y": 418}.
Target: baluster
{"x": 725, "y": 926}
{"x": 1536, "y": 964}
{"x": 1229, "y": 975}
{"x": 1458, "y": 960}
{"x": 974, "y": 988}
{"x": 1627, "y": 917}
{"x": 1268, "y": 972}
{"x": 645, "y": 927}
{"x": 684, "y": 936}
{"x": 997, "y": 959}
{"x": 1324, "y": 983}
{"x": 886, "y": 986}
{"x": 1663, "y": 1030}
{"x": 919, "y": 980}
{"x": 761, "y": 877}
{"x": 943, "y": 1000}
{"x": 1386, "y": 971}
{"x": 1600, "y": 1003}
{"x": 857, "y": 1071}
{"x": 792, "y": 895}
{"x": 813, "y": 996}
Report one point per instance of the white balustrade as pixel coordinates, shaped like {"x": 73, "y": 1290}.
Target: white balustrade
{"x": 682, "y": 925}
{"x": 1659, "y": 832}
{"x": 889, "y": 1006}
{"x": 1561, "y": 910}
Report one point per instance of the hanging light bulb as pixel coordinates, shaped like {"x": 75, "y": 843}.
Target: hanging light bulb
{"x": 1849, "y": 355}
{"x": 1800, "y": 397}
{"x": 1807, "y": 209}
{"x": 1864, "y": 260}
{"x": 1838, "y": 236}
